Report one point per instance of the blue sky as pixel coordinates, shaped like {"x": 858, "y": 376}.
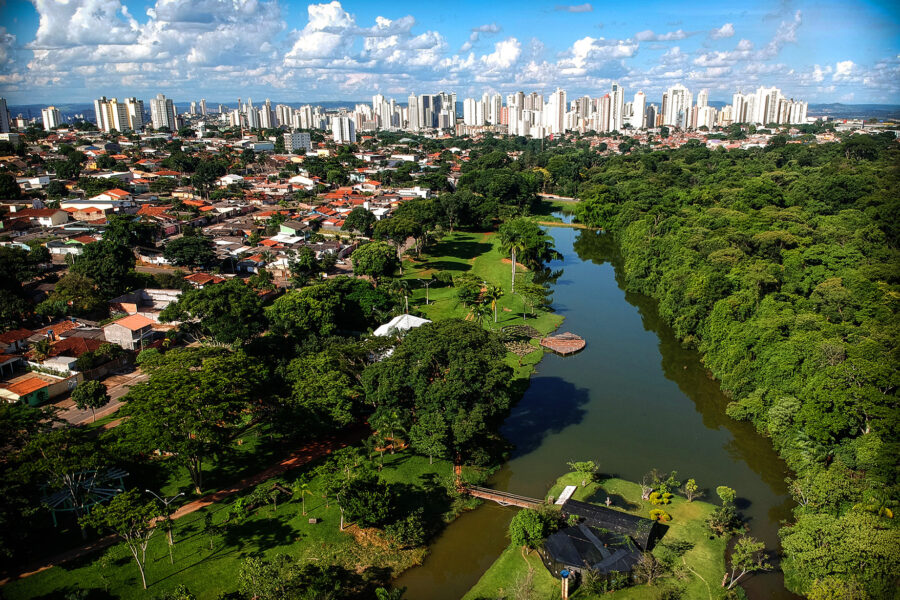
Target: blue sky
{"x": 62, "y": 51}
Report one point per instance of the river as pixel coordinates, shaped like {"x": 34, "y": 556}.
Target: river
{"x": 633, "y": 400}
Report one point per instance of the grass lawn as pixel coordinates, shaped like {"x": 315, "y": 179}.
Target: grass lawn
{"x": 478, "y": 253}
{"x": 706, "y": 558}
{"x": 211, "y": 572}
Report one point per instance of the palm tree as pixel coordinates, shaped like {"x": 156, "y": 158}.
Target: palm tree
{"x": 480, "y": 312}
{"x": 400, "y": 288}
{"x": 513, "y": 239}
{"x": 493, "y": 293}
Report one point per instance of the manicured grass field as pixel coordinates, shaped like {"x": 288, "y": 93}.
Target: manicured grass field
{"x": 706, "y": 558}
{"x": 211, "y": 572}
{"x": 478, "y": 253}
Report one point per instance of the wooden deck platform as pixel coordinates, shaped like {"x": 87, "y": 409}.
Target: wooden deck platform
{"x": 564, "y": 343}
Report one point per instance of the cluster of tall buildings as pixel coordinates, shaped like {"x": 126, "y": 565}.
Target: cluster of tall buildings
{"x": 519, "y": 113}
{"x": 121, "y": 116}
{"x": 536, "y": 116}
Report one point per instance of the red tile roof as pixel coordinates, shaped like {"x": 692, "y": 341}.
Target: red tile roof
{"x": 133, "y": 322}
{"x": 75, "y": 346}
{"x": 23, "y": 387}
{"x": 11, "y": 337}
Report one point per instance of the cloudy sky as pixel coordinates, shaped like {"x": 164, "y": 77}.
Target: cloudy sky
{"x": 61, "y": 51}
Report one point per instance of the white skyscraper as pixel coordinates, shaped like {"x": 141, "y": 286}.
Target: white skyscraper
{"x": 638, "y": 108}
{"x": 162, "y": 113}
{"x": 4, "y": 116}
{"x": 344, "y": 130}
{"x": 50, "y": 116}
{"x": 703, "y": 98}
{"x": 203, "y": 107}
{"x": 555, "y": 112}
{"x": 616, "y": 107}
{"x": 766, "y": 105}
{"x": 738, "y": 108}
{"x": 677, "y": 110}
{"x": 412, "y": 119}
{"x": 135, "y": 112}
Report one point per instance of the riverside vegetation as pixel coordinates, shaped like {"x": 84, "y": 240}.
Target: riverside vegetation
{"x": 781, "y": 266}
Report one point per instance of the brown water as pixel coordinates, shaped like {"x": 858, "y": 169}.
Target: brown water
{"x": 633, "y": 400}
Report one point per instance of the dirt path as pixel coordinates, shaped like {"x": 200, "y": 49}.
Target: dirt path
{"x": 297, "y": 458}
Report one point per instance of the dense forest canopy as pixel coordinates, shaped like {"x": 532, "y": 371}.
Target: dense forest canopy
{"x": 781, "y": 266}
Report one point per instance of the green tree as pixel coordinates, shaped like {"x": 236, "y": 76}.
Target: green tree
{"x": 428, "y": 435}
{"x": 304, "y": 266}
{"x": 375, "y": 259}
{"x": 747, "y": 556}
{"x": 324, "y": 392}
{"x": 525, "y": 242}
{"x": 229, "y": 312}
{"x": 451, "y": 367}
{"x": 190, "y": 405}
{"x": 190, "y": 251}
{"x": 528, "y": 529}
{"x": 586, "y": 469}
{"x": 92, "y": 395}
{"x": 108, "y": 264}
{"x": 74, "y": 294}
{"x": 130, "y": 231}
{"x": 8, "y": 187}
{"x": 359, "y": 219}
{"x": 130, "y": 518}
{"x": 691, "y": 490}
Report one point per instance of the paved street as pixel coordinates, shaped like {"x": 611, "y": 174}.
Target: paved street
{"x": 116, "y": 386}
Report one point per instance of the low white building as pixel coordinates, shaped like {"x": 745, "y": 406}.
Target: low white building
{"x": 230, "y": 179}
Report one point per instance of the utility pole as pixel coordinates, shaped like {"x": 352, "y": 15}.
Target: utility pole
{"x": 166, "y": 502}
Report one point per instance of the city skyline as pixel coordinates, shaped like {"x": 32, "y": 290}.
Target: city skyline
{"x": 54, "y": 54}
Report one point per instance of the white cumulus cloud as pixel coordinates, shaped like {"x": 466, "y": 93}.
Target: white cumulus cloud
{"x": 725, "y": 31}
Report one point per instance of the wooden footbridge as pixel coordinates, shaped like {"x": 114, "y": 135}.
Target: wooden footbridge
{"x": 502, "y": 498}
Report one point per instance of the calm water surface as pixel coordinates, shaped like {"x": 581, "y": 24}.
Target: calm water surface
{"x": 633, "y": 400}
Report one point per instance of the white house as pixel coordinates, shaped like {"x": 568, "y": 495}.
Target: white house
{"x": 45, "y": 217}
{"x": 231, "y": 178}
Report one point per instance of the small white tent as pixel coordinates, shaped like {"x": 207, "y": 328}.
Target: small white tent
{"x": 400, "y": 324}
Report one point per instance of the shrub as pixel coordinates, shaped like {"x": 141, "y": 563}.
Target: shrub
{"x": 657, "y": 514}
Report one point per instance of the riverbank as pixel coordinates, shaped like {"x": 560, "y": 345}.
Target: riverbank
{"x": 686, "y": 546}
{"x": 633, "y": 400}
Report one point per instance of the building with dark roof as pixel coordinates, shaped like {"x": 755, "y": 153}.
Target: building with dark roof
{"x": 606, "y": 541}
{"x": 581, "y": 547}
{"x": 644, "y": 532}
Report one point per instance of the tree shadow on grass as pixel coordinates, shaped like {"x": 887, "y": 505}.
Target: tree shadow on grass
{"x": 550, "y": 405}
{"x": 460, "y": 248}
{"x": 261, "y": 535}
{"x": 447, "y": 265}
{"x": 75, "y": 593}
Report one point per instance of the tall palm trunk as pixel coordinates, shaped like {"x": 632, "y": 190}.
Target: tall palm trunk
{"x": 513, "y": 284}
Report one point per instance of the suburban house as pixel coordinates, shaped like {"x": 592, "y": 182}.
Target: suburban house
{"x": 146, "y": 302}
{"x": 36, "y": 388}
{"x": 106, "y": 204}
{"x": 130, "y": 332}
{"x": 201, "y": 280}
{"x": 45, "y": 217}
{"x": 15, "y": 340}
